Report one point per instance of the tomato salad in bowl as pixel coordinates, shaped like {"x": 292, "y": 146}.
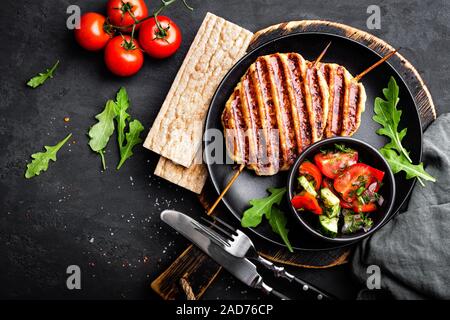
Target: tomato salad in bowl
{"x": 341, "y": 189}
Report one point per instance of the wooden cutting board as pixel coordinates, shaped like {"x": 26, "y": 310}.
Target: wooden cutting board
{"x": 198, "y": 271}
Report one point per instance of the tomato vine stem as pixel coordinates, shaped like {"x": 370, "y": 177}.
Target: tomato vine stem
{"x": 162, "y": 7}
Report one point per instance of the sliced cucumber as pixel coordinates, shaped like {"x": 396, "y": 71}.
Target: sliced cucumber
{"x": 334, "y": 211}
{"x": 329, "y": 198}
{"x": 307, "y": 186}
{"x": 329, "y": 225}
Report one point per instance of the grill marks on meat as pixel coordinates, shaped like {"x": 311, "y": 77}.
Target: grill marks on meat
{"x": 300, "y": 108}
{"x": 250, "y": 112}
{"x": 235, "y": 128}
{"x": 288, "y": 143}
{"x": 319, "y": 99}
{"x": 270, "y": 125}
{"x": 356, "y": 105}
{"x": 347, "y": 101}
{"x": 284, "y": 103}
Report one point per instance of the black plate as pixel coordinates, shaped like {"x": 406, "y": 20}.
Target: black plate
{"x": 355, "y": 57}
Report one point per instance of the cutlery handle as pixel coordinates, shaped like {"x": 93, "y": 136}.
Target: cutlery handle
{"x": 308, "y": 289}
{"x": 313, "y": 291}
{"x": 260, "y": 284}
{"x": 279, "y": 295}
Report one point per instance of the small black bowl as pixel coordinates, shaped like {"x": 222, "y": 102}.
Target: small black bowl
{"x": 368, "y": 155}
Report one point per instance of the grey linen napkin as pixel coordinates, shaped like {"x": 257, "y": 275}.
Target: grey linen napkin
{"x": 413, "y": 250}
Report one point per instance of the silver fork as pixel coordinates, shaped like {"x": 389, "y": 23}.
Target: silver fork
{"x": 238, "y": 244}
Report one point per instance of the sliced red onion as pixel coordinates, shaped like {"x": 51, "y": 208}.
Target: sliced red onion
{"x": 373, "y": 187}
{"x": 380, "y": 200}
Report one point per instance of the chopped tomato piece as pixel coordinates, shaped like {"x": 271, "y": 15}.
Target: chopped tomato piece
{"x": 345, "y": 205}
{"x": 327, "y": 183}
{"x": 332, "y": 163}
{"x": 378, "y": 174}
{"x": 307, "y": 202}
{"x": 368, "y": 207}
{"x": 355, "y": 180}
{"x": 312, "y": 173}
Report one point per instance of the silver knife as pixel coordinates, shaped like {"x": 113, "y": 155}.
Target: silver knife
{"x": 241, "y": 268}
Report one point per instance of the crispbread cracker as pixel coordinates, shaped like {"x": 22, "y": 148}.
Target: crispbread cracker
{"x": 192, "y": 178}
{"x": 177, "y": 131}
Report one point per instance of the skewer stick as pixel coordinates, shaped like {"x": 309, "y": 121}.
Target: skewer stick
{"x": 321, "y": 54}
{"x": 386, "y": 57}
{"x": 229, "y": 184}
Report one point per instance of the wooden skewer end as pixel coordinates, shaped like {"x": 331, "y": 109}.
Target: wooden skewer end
{"x": 376, "y": 64}
{"x": 322, "y": 54}
{"x": 229, "y": 184}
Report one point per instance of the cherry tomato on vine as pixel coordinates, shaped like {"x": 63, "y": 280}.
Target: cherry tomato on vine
{"x": 123, "y": 57}
{"x": 160, "y": 43}
{"x": 93, "y": 33}
{"x": 121, "y": 12}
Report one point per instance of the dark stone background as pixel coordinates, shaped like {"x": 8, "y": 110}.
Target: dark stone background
{"x": 108, "y": 222}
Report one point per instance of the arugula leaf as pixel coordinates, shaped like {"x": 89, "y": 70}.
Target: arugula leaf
{"x": 42, "y": 76}
{"x": 278, "y": 223}
{"x": 135, "y": 127}
{"x": 132, "y": 138}
{"x": 265, "y": 206}
{"x": 100, "y": 132}
{"x": 41, "y": 159}
{"x": 259, "y": 207}
{"x": 400, "y": 163}
{"x": 387, "y": 114}
{"x": 122, "y": 103}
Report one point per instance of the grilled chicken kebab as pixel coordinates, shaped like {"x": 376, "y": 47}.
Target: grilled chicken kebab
{"x": 284, "y": 103}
